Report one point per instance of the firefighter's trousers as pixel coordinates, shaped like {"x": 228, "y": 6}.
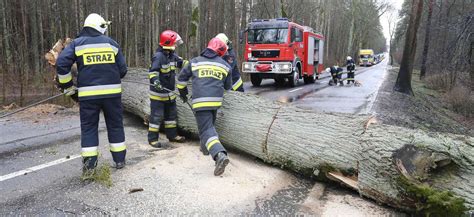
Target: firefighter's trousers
{"x": 350, "y": 77}
{"x": 162, "y": 111}
{"x": 207, "y": 132}
{"x": 336, "y": 77}
{"x": 240, "y": 88}
{"x": 89, "y": 115}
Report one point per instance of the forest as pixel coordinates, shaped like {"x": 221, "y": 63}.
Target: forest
{"x": 30, "y": 28}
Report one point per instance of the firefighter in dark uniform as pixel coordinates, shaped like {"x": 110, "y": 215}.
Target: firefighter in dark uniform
{"x": 350, "y": 65}
{"x": 210, "y": 77}
{"x": 101, "y": 66}
{"x": 336, "y": 74}
{"x": 230, "y": 57}
{"x": 162, "y": 102}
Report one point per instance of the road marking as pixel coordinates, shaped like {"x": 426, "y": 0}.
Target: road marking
{"x": 291, "y": 91}
{"x": 39, "y": 167}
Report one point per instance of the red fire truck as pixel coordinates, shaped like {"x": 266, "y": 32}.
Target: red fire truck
{"x": 279, "y": 49}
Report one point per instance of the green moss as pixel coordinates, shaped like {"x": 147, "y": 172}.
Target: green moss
{"x": 431, "y": 202}
{"x": 100, "y": 174}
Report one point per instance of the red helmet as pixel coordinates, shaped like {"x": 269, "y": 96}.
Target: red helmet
{"x": 217, "y": 46}
{"x": 170, "y": 39}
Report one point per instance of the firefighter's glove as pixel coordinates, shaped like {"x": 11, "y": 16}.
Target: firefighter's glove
{"x": 157, "y": 84}
{"x": 182, "y": 63}
{"x": 70, "y": 91}
{"x": 183, "y": 94}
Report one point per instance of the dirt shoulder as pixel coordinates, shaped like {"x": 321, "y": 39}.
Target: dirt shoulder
{"x": 424, "y": 111}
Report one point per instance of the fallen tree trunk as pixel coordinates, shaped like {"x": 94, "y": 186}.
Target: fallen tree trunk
{"x": 404, "y": 168}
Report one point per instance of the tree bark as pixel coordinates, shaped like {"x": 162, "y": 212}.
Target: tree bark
{"x": 426, "y": 45}
{"x": 403, "y": 83}
{"x": 379, "y": 161}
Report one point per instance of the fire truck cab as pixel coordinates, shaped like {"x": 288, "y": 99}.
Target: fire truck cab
{"x": 279, "y": 49}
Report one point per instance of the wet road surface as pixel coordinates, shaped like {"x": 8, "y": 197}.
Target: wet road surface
{"x": 322, "y": 97}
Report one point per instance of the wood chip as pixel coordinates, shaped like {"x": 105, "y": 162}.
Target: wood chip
{"x": 133, "y": 190}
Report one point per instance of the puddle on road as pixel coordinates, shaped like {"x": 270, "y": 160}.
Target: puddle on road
{"x": 285, "y": 201}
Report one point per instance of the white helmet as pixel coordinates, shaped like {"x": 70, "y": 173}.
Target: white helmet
{"x": 328, "y": 70}
{"x": 223, "y": 38}
{"x": 97, "y": 22}
{"x": 349, "y": 58}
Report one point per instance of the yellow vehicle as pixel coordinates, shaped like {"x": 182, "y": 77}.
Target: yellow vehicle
{"x": 366, "y": 57}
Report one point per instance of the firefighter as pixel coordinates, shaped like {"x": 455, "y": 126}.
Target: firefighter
{"x": 210, "y": 77}
{"x": 237, "y": 84}
{"x": 350, "y": 65}
{"x": 101, "y": 66}
{"x": 162, "y": 102}
{"x": 336, "y": 75}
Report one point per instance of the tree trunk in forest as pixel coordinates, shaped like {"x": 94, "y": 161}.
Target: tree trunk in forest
{"x": 403, "y": 83}
{"x": 426, "y": 45}
{"x": 471, "y": 62}
{"x": 389, "y": 164}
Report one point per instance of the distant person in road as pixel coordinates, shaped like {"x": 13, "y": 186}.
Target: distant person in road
{"x": 237, "y": 84}
{"x": 101, "y": 67}
{"x": 210, "y": 76}
{"x": 350, "y": 65}
{"x": 162, "y": 102}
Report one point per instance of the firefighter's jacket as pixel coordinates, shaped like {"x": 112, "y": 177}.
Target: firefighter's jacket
{"x": 210, "y": 77}
{"x": 100, "y": 65}
{"x": 232, "y": 61}
{"x": 350, "y": 64}
{"x": 164, "y": 67}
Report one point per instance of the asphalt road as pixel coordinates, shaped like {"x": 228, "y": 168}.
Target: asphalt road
{"x": 40, "y": 168}
{"x": 322, "y": 97}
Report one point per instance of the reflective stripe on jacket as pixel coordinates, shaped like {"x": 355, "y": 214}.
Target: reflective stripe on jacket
{"x": 210, "y": 77}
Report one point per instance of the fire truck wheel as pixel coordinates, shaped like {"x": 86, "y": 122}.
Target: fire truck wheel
{"x": 294, "y": 77}
{"x": 255, "y": 79}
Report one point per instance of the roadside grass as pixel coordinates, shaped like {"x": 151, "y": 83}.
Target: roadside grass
{"x": 456, "y": 94}
{"x": 432, "y": 102}
{"x": 101, "y": 174}
{"x": 427, "y": 110}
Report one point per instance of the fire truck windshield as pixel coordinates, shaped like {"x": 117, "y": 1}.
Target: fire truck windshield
{"x": 267, "y": 36}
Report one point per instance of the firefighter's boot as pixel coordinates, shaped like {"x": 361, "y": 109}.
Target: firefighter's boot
{"x": 178, "y": 139}
{"x": 157, "y": 144}
{"x": 221, "y": 162}
{"x": 119, "y": 165}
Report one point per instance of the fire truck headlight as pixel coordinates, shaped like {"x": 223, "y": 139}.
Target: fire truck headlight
{"x": 285, "y": 67}
{"x": 247, "y": 66}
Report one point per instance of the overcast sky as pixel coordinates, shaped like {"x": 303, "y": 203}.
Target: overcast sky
{"x": 397, "y": 4}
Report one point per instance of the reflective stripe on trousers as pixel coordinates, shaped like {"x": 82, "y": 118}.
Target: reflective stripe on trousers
{"x": 117, "y": 147}
{"x": 89, "y": 151}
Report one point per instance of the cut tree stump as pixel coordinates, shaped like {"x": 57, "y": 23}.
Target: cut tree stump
{"x": 351, "y": 149}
